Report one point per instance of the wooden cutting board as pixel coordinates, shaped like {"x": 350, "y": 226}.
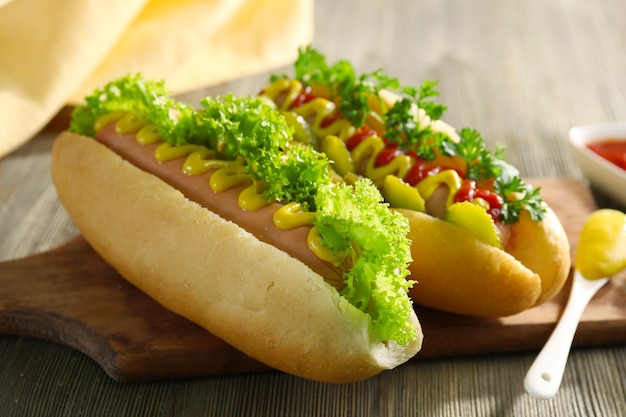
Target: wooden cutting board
{"x": 69, "y": 295}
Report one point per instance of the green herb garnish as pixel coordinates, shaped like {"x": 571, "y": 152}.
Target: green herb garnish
{"x": 408, "y": 131}
{"x": 483, "y": 165}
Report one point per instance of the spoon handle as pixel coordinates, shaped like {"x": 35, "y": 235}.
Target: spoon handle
{"x": 544, "y": 376}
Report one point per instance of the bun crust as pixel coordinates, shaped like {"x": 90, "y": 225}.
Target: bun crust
{"x": 457, "y": 273}
{"x": 255, "y": 297}
{"x": 543, "y": 247}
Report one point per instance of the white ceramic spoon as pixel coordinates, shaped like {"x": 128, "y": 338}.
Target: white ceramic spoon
{"x": 601, "y": 253}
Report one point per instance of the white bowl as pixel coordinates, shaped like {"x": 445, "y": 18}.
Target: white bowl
{"x": 602, "y": 174}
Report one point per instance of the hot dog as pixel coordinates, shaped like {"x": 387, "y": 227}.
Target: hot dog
{"x": 221, "y": 217}
{"x": 483, "y": 241}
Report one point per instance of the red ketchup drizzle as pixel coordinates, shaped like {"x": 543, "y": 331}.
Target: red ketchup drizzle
{"x": 359, "y": 136}
{"x": 469, "y": 192}
{"x": 329, "y": 120}
{"x": 419, "y": 171}
{"x": 386, "y": 155}
{"x": 304, "y": 97}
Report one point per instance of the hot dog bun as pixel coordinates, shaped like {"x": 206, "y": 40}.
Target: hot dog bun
{"x": 460, "y": 274}
{"x": 208, "y": 269}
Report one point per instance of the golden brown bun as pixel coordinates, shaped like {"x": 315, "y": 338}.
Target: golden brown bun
{"x": 542, "y": 247}
{"x": 209, "y": 270}
{"x": 457, "y": 273}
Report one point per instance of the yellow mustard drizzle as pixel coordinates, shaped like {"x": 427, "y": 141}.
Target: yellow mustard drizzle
{"x": 321, "y": 108}
{"x": 130, "y": 123}
{"x": 448, "y": 177}
{"x": 315, "y": 244}
{"x": 399, "y": 166}
{"x": 108, "y": 118}
{"x": 149, "y": 135}
{"x": 292, "y": 215}
{"x": 341, "y": 127}
{"x": 166, "y": 152}
{"x": 251, "y": 198}
{"x": 369, "y": 147}
{"x": 292, "y": 88}
{"x": 228, "y": 174}
{"x": 200, "y": 161}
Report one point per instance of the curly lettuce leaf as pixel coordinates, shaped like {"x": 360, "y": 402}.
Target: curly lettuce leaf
{"x": 252, "y": 129}
{"x": 355, "y": 221}
{"x": 131, "y": 92}
{"x": 149, "y": 98}
{"x": 351, "y": 218}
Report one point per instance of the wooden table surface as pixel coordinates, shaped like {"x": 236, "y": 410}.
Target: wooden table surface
{"x": 520, "y": 72}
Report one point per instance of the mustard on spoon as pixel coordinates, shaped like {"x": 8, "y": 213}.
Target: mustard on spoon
{"x": 601, "y": 253}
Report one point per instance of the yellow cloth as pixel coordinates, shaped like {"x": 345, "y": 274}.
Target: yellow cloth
{"x": 54, "y": 52}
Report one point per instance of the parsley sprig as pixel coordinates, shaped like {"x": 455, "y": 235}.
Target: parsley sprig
{"x": 482, "y": 165}
{"x": 519, "y": 196}
{"x": 408, "y": 131}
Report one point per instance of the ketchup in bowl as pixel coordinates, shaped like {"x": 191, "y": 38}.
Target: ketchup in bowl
{"x": 613, "y": 150}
